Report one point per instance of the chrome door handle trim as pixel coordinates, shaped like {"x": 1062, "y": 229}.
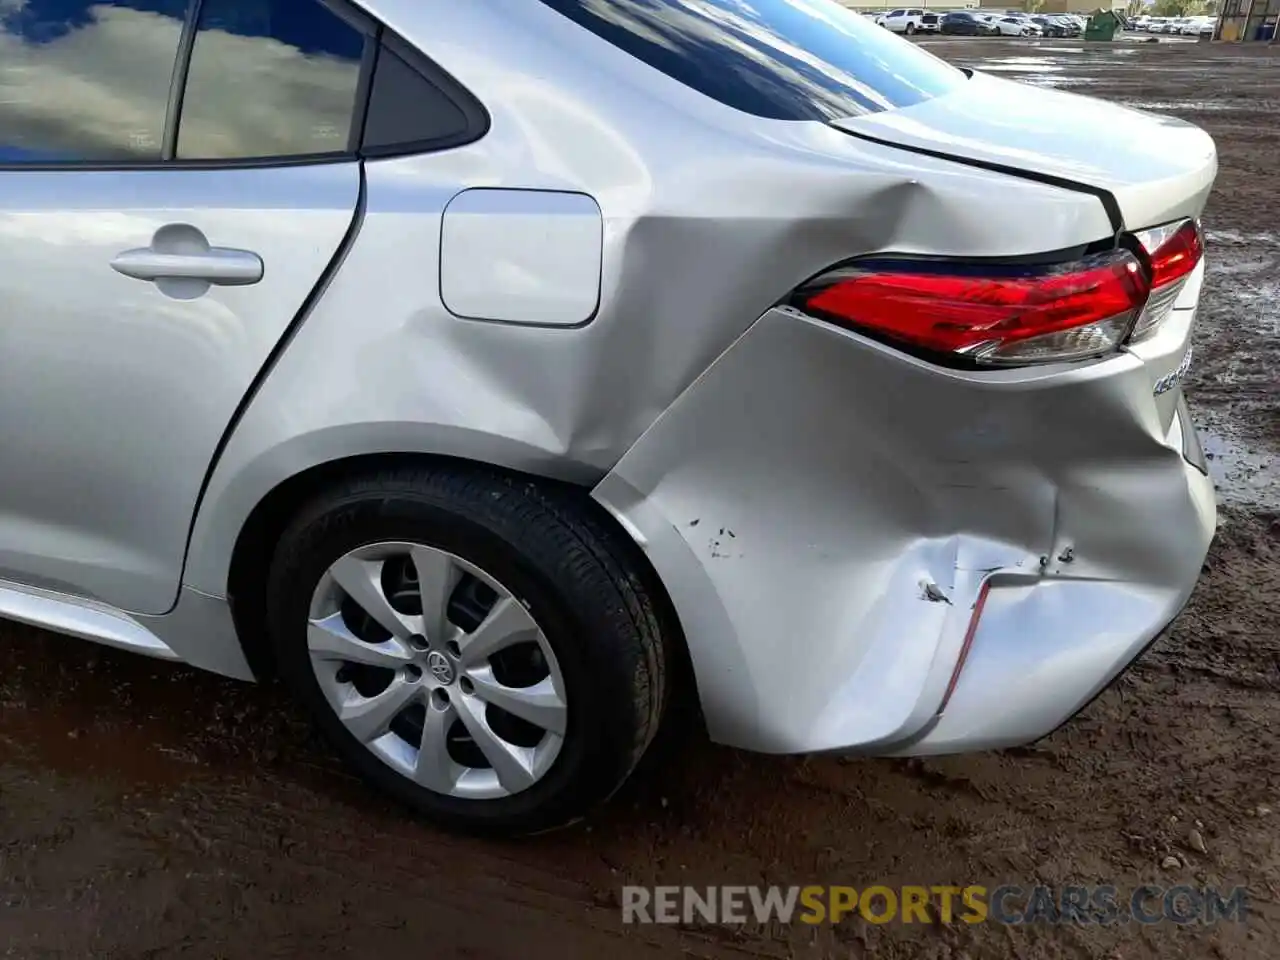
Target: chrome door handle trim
{"x": 223, "y": 266}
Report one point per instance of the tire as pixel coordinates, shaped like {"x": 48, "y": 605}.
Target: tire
{"x": 911, "y": 28}
{"x": 579, "y": 581}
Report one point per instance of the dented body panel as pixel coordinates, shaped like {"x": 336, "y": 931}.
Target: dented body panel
{"x": 834, "y": 580}
{"x": 693, "y": 252}
{"x": 823, "y": 510}
{"x": 1162, "y": 169}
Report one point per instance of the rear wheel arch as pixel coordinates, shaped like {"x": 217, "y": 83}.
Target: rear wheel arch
{"x": 255, "y": 546}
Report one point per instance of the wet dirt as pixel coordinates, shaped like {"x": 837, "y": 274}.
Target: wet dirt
{"x": 148, "y": 810}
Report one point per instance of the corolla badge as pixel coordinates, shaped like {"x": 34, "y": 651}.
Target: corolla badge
{"x": 1171, "y": 380}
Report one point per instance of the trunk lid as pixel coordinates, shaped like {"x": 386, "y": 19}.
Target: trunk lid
{"x": 1157, "y": 168}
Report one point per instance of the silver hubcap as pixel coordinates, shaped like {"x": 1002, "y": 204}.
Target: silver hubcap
{"x": 438, "y": 669}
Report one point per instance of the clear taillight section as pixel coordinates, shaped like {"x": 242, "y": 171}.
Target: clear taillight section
{"x": 979, "y": 314}
{"x": 1173, "y": 252}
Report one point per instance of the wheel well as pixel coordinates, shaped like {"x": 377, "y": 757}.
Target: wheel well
{"x": 255, "y": 546}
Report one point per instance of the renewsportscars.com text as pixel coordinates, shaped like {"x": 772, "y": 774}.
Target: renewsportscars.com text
{"x": 1007, "y": 904}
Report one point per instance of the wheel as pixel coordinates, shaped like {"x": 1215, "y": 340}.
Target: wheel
{"x": 482, "y": 647}
{"x": 911, "y": 28}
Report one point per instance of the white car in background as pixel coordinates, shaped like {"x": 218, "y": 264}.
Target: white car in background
{"x": 910, "y": 20}
{"x": 1011, "y": 26}
{"x": 1202, "y": 27}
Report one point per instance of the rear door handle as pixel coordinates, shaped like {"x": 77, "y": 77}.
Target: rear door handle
{"x": 219, "y": 265}
{"x": 182, "y": 264}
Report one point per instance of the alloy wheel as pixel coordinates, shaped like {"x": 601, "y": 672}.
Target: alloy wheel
{"x": 438, "y": 669}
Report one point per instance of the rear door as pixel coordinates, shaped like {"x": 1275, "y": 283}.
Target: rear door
{"x": 170, "y": 195}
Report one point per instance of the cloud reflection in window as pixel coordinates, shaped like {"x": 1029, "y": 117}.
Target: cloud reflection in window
{"x": 783, "y": 59}
{"x": 83, "y": 80}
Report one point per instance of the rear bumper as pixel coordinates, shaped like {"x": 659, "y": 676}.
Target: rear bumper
{"x": 826, "y": 512}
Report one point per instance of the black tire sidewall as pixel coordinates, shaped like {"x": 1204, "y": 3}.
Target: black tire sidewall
{"x": 597, "y": 751}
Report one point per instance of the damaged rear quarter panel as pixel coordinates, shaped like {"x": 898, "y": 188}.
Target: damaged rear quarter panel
{"x": 825, "y": 510}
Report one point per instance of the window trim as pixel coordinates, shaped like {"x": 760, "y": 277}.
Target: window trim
{"x": 375, "y": 36}
{"x": 177, "y": 80}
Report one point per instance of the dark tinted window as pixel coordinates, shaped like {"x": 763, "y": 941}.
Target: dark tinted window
{"x": 408, "y": 111}
{"x": 270, "y": 78}
{"x": 784, "y": 59}
{"x": 86, "y": 80}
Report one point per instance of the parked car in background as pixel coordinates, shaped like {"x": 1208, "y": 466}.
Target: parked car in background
{"x": 1014, "y": 26}
{"x": 1056, "y": 26}
{"x": 962, "y": 23}
{"x": 910, "y": 21}
{"x": 1198, "y": 26}
{"x": 513, "y": 371}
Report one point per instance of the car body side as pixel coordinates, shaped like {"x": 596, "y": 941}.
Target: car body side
{"x": 568, "y": 403}
{"x": 901, "y": 478}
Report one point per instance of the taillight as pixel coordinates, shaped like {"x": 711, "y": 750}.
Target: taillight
{"x": 986, "y": 315}
{"x": 1173, "y": 251}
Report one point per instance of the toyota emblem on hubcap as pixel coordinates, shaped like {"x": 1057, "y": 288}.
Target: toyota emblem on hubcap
{"x": 440, "y": 666}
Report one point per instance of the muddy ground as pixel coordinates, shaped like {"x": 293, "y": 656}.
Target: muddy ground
{"x": 147, "y": 810}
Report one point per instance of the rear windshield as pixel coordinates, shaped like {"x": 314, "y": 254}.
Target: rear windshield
{"x": 782, "y": 59}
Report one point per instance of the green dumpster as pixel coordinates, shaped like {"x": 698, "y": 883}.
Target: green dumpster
{"x": 1103, "y": 25}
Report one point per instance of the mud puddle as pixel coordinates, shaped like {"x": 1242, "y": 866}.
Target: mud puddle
{"x": 1242, "y": 475}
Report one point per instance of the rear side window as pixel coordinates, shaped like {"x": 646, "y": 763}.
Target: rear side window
{"x": 781, "y": 59}
{"x": 270, "y": 78}
{"x": 86, "y": 80}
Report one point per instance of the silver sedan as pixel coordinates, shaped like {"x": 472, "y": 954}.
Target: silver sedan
{"x": 500, "y": 373}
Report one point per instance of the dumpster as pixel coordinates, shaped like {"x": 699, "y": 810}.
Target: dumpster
{"x": 1103, "y": 25}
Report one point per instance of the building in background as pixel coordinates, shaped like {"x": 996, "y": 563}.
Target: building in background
{"x": 1248, "y": 20}
{"x": 1061, "y": 6}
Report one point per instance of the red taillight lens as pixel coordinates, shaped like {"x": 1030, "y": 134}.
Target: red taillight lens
{"x": 1173, "y": 252}
{"x": 1039, "y": 315}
